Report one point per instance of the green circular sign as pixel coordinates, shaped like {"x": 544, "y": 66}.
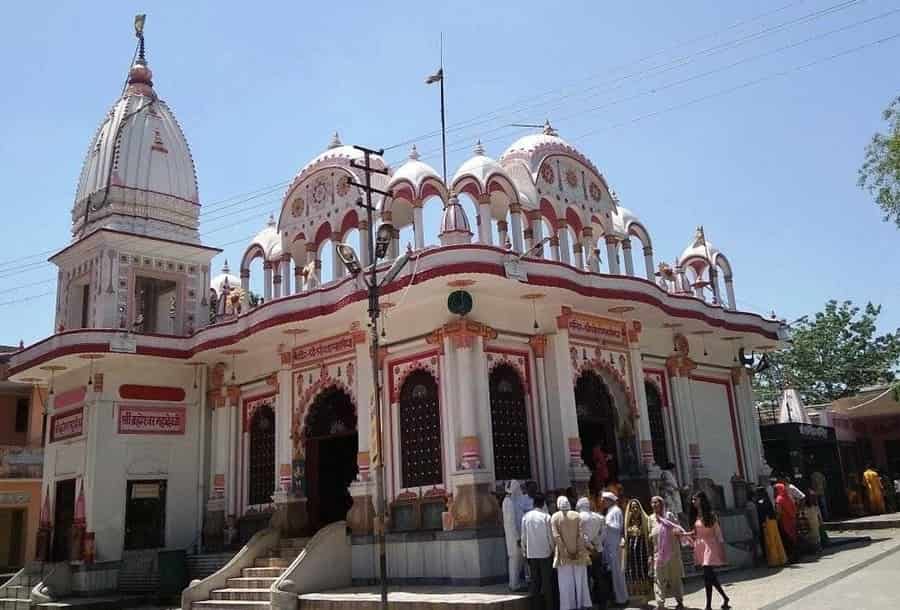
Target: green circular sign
{"x": 459, "y": 302}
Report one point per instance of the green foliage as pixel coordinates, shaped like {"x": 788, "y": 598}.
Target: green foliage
{"x": 880, "y": 171}
{"x": 832, "y": 356}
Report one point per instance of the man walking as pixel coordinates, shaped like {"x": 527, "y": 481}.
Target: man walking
{"x": 537, "y": 546}
{"x": 820, "y": 487}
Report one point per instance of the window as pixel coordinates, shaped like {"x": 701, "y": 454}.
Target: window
{"x": 262, "y": 456}
{"x": 22, "y": 405}
{"x": 657, "y": 425}
{"x": 420, "y": 431}
{"x": 85, "y": 305}
{"x": 509, "y": 425}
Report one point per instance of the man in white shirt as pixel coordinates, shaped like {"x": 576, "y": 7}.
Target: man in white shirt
{"x": 592, "y": 525}
{"x": 612, "y": 542}
{"x": 512, "y": 522}
{"x": 537, "y": 546}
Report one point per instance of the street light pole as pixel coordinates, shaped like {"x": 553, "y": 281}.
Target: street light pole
{"x": 374, "y": 314}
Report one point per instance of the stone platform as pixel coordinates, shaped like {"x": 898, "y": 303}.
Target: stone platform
{"x": 494, "y": 597}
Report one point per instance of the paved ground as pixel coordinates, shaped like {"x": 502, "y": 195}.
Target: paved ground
{"x": 886, "y": 521}
{"x": 857, "y": 577}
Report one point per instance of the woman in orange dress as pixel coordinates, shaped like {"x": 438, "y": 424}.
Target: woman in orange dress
{"x": 709, "y": 546}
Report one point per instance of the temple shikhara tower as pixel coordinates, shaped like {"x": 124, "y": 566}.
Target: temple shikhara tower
{"x": 542, "y": 334}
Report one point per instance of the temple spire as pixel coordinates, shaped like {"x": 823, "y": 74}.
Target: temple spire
{"x": 139, "y": 33}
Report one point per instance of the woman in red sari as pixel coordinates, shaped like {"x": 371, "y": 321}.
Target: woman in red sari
{"x": 787, "y": 518}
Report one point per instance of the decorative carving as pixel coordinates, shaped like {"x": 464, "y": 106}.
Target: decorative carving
{"x": 462, "y": 333}
{"x": 634, "y": 332}
{"x": 470, "y": 453}
{"x": 538, "y": 344}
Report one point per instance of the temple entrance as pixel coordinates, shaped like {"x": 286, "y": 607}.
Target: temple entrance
{"x": 509, "y": 425}
{"x": 64, "y": 514}
{"x": 331, "y": 448}
{"x": 597, "y": 425}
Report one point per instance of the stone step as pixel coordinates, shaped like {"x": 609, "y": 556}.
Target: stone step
{"x": 12, "y": 603}
{"x": 19, "y": 591}
{"x": 262, "y": 582}
{"x": 250, "y": 595}
{"x": 231, "y": 604}
{"x": 290, "y": 554}
{"x": 272, "y": 562}
{"x": 294, "y": 541}
{"x": 262, "y": 572}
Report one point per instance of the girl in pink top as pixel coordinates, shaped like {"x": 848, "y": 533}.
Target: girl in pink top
{"x": 709, "y": 546}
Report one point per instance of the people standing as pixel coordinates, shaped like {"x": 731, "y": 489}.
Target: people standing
{"x": 709, "y": 546}
{"x": 537, "y": 547}
{"x": 768, "y": 527}
{"x": 786, "y": 511}
{"x": 612, "y": 543}
{"x": 813, "y": 518}
{"x": 512, "y": 523}
{"x": 637, "y": 553}
{"x": 571, "y": 557}
{"x": 592, "y": 526}
{"x": 668, "y": 569}
{"x": 820, "y": 486}
{"x": 874, "y": 490}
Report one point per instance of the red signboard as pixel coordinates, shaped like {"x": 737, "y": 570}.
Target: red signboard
{"x": 67, "y": 425}
{"x": 139, "y": 419}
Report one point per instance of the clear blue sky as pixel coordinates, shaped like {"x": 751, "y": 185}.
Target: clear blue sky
{"x": 768, "y": 168}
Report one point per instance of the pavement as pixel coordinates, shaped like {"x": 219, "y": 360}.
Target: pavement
{"x": 871, "y": 522}
{"x": 859, "y": 574}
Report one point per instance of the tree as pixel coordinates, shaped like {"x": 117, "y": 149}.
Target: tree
{"x": 832, "y": 356}
{"x": 880, "y": 172}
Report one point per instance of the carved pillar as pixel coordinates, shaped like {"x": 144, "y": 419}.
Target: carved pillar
{"x": 577, "y": 251}
{"x": 679, "y": 366}
{"x": 554, "y": 247}
{"x": 361, "y": 517}
{"x": 537, "y": 231}
{"x": 515, "y": 219}
{"x": 276, "y": 280}
{"x": 570, "y": 467}
{"x": 286, "y": 274}
{"x": 612, "y": 255}
{"x": 502, "y": 233}
{"x": 626, "y": 255}
{"x": 729, "y": 289}
{"x": 245, "y": 280}
{"x": 754, "y": 457}
{"x": 640, "y": 395}
{"x": 337, "y": 267}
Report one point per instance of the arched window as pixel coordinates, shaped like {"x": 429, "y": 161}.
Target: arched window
{"x": 261, "y": 477}
{"x": 420, "y": 431}
{"x": 597, "y": 423}
{"x": 657, "y": 424}
{"x": 509, "y": 425}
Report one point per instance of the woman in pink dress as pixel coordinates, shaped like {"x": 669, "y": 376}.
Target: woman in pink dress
{"x": 709, "y": 546}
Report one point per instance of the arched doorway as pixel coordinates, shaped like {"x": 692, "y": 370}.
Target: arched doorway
{"x": 509, "y": 425}
{"x": 657, "y": 425}
{"x": 597, "y": 424}
{"x": 261, "y": 475}
{"x": 420, "y": 431}
{"x": 331, "y": 448}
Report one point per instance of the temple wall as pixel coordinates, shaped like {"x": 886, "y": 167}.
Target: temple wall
{"x": 717, "y": 440}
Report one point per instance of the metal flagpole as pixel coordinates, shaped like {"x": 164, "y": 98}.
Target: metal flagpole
{"x": 438, "y": 77}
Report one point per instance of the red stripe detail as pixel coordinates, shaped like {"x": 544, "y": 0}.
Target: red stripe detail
{"x": 151, "y": 392}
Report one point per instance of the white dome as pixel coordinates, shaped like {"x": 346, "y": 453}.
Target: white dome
{"x": 415, "y": 173}
{"x": 480, "y": 168}
{"x": 534, "y": 148}
{"x": 226, "y": 276}
{"x": 701, "y": 248}
{"x": 269, "y": 241}
{"x": 138, "y": 175}
{"x": 622, "y": 219}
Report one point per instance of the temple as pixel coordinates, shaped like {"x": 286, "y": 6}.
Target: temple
{"x": 542, "y": 330}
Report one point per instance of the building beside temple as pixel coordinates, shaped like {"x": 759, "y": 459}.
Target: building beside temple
{"x": 545, "y": 327}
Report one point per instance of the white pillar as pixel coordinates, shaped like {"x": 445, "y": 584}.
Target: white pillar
{"x": 538, "y": 346}
{"x": 562, "y": 235}
{"x": 502, "y": 233}
{"x": 755, "y": 462}
{"x": 626, "y": 255}
{"x": 245, "y": 280}
{"x": 470, "y": 444}
{"x": 284, "y": 413}
{"x": 453, "y": 426}
{"x": 687, "y": 422}
{"x": 286, "y": 275}
{"x": 394, "y": 248}
{"x": 577, "y": 251}
{"x": 569, "y": 465}
{"x": 484, "y": 220}
{"x": 648, "y": 263}
{"x": 298, "y": 279}
{"x": 640, "y": 398}
{"x": 337, "y": 267}
{"x": 365, "y": 386}
{"x": 515, "y": 218}
{"x": 276, "y": 280}
{"x": 612, "y": 257}
{"x": 267, "y": 281}
{"x": 419, "y": 224}
{"x": 729, "y": 289}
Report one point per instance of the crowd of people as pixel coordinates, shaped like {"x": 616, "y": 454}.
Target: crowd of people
{"x": 588, "y": 552}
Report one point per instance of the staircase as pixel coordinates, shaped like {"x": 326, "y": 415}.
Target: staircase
{"x": 251, "y": 590}
{"x": 15, "y": 592}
